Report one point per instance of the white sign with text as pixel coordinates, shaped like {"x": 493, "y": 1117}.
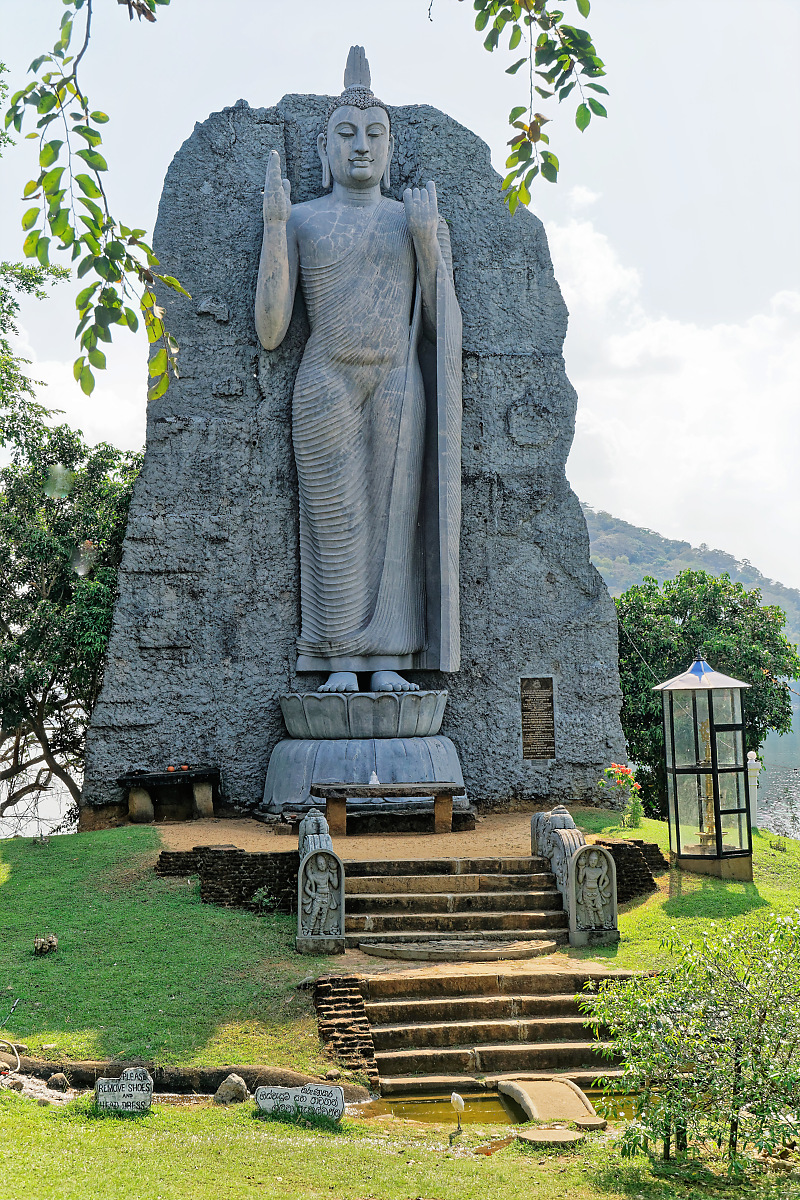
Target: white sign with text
{"x": 312, "y": 1099}
{"x": 132, "y": 1092}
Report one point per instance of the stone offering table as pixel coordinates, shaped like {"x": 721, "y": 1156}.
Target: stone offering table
{"x": 140, "y": 786}
{"x": 337, "y": 795}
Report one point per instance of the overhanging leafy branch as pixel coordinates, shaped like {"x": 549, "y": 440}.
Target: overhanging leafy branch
{"x": 564, "y": 57}
{"x": 75, "y": 214}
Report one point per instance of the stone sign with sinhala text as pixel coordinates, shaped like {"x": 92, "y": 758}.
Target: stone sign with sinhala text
{"x": 312, "y": 1099}
{"x": 131, "y": 1092}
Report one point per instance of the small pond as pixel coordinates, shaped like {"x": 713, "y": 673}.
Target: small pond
{"x": 480, "y": 1108}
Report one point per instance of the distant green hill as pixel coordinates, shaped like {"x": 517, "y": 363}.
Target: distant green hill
{"x": 624, "y": 554}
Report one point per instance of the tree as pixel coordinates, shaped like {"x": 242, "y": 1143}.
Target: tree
{"x": 710, "y": 1046}
{"x": 63, "y": 511}
{"x": 660, "y": 629}
{"x": 70, "y": 206}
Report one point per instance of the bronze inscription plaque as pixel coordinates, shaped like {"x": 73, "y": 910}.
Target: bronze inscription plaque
{"x": 538, "y": 718}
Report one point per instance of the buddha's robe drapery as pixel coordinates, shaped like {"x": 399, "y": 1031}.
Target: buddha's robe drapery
{"x": 376, "y": 426}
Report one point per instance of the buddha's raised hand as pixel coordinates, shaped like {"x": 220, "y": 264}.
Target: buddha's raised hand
{"x": 277, "y": 205}
{"x": 422, "y": 213}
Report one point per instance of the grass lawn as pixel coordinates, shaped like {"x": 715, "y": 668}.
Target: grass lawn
{"x": 687, "y": 903}
{"x": 143, "y": 969}
{"x": 209, "y": 1153}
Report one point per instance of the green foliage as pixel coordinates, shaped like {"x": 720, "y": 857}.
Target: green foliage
{"x": 19, "y": 412}
{"x": 662, "y": 626}
{"x": 563, "y": 57}
{"x": 623, "y": 792}
{"x": 72, "y": 205}
{"x": 710, "y": 1047}
{"x": 63, "y": 510}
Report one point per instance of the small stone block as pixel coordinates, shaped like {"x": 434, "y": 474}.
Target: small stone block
{"x": 319, "y": 945}
{"x": 443, "y": 814}
{"x": 140, "y": 806}
{"x": 550, "y": 1137}
{"x": 203, "y": 800}
{"x": 336, "y": 816}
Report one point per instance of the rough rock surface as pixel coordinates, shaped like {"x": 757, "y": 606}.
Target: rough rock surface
{"x": 203, "y": 641}
{"x": 232, "y": 1090}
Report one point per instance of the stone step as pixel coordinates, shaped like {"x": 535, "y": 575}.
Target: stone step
{"x": 478, "y": 1008}
{"x": 457, "y": 922}
{"x": 469, "y": 984}
{"x": 481, "y": 1033}
{"x": 436, "y": 1085}
{"x": 375, "y": 885}
{"x": 409, "y": 903}
{"x": 500, "y": 1057}
{"x": 445, "y": 866}
{"x": 491, "y": 934}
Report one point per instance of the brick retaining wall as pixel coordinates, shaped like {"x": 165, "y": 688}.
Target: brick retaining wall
{"x": 230, "y": 876}
{"x": 343, "y": 1024}
{"x": 634, "y": 877}
{"x": 652, "y": 855}
{"x": 177, "y": 862}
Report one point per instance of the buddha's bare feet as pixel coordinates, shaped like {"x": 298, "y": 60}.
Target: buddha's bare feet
{"x": 390, "y": 681}
{"x": 340, "y": 681}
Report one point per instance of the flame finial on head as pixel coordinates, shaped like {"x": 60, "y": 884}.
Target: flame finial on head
{"x": 357, "y": 84}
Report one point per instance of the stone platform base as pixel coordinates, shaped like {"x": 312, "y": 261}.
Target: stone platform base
{"x": 370, "y": 818}
{"x": 319, "y": 945}
{"x": 739, "y": 867}
{"x": 297, "y": 763}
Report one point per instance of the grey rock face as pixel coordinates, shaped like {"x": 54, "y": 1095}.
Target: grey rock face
{"x": 203, "y": 642}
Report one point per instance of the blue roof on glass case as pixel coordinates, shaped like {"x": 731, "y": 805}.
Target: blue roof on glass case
{"x": 699, "y": 675}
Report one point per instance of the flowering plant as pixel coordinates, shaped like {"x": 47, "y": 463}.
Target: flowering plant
{"x": 624, "y": 793}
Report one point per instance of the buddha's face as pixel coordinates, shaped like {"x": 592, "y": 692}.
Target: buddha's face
{"x": 358, "y": 145}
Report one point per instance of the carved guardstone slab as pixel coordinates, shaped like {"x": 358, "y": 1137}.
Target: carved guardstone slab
{"x": 132, "y": 1092}
{"x": 592, "y": 892}
{"x": 312, "y": 1099}
{"x": 538, "y": 718}
{"x": 320, "y": 902}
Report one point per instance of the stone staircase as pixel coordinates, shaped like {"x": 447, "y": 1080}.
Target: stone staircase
{"x": 456, "y": 899}
{"x": 436, "y": 1031}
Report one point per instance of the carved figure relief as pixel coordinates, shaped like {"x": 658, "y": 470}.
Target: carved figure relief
{"x": 321, "y": 908}
{"x": 593, "y": 905}
{"x": 376, "y": 410}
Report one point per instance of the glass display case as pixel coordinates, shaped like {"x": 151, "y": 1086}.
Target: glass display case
{"x": 707, "y": 785}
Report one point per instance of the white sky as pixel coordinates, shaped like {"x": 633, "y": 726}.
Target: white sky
{"x": 674, "y": 228}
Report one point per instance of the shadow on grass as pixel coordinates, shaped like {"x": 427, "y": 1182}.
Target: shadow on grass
{"x": 144, "y": 969}
{"x": 692, "y": 896}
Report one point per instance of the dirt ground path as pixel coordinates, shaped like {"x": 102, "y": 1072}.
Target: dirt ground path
{"x": 498, "y": 835}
